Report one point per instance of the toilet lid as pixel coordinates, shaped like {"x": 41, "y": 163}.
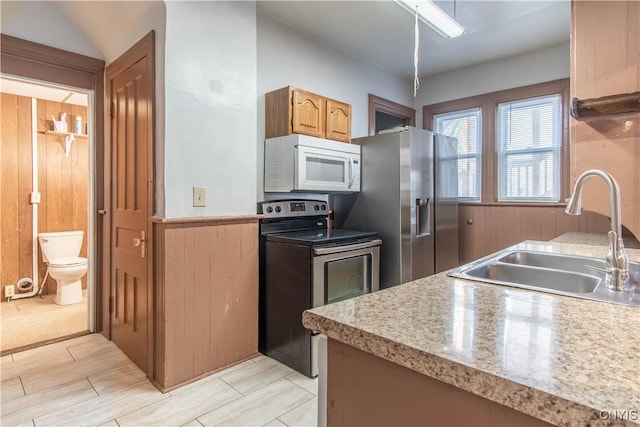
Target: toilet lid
{"x": 68, "y": 262}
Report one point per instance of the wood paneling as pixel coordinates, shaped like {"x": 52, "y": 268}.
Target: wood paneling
{"x": 495, "y": 227}
{"x": 605, "y": 61}
{"x": 365, "y": 390}
{"x": 206, "y": 296}
{"x": 62, "y": 182}
{"x": 15, "y": 215}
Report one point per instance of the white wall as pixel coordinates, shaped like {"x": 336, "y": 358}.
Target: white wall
{"x": 210, "y": 107}
{"x": 542, "y": 65}
{"x": 288, "y": 57}
{"x": 98, "y": 29}
{"x": 46, "y": 23}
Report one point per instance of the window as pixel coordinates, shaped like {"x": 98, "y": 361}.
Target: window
{"x": 465, "y": 126}
{"x": 528, "y": 143}
{"x": 512, "y": 144}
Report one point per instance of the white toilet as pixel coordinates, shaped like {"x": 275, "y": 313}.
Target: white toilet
{"x": 60, "y": 252}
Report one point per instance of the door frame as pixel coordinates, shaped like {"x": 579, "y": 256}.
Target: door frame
{"x": 30, "y": 60}
{"x": 400, "y": 111}
{"x": 144, "y": 47}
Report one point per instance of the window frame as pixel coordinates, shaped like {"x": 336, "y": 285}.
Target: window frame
{"x": 488, "y": 104}
{"x": 477, "y": 155}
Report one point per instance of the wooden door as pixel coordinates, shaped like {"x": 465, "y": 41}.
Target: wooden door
{"x": 338, "y": 121}
{"x": 308, "y": 115}
{"x": 130, "y": 85}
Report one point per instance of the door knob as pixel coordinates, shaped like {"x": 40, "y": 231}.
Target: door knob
{"x": 139, "y": 242}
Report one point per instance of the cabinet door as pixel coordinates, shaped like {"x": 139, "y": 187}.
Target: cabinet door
{"x": 338, "y": 121}
{"x": 308, "y": 115}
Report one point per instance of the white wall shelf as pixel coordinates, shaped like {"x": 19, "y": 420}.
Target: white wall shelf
{"x": 68, "y": 138}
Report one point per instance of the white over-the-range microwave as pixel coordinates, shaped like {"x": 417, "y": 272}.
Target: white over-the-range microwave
{"x": 305, "y": 163}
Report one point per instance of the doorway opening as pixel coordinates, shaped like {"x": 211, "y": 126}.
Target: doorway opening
{"x": 47, "y": 167}
{"x": 385, "y": 114}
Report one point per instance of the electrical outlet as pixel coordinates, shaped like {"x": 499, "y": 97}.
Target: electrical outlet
{"x": 9, "y": 291}
{"x": 199, "y": 197}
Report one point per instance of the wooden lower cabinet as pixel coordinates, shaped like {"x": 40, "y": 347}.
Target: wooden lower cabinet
{"x": 365, "y": 390}
{"x": 290, "y": 110}
{"x": 206, "y": 297}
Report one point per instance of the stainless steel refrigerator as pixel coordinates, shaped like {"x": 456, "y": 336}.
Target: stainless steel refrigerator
{"x": 409, "y": 196}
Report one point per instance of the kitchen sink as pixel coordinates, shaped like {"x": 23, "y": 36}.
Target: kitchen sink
{"x": 552, "y": 272}
{"x": 545, "y": 278}
{"x": 576, "y": 264}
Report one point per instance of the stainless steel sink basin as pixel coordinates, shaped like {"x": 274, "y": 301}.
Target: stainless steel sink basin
{"x": 552, "y": 272}
{"x": 574, "y": 263}
{"x": 558, "y": 280}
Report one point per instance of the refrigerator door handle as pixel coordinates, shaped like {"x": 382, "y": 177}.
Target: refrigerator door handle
{"x": 423, "y": 217}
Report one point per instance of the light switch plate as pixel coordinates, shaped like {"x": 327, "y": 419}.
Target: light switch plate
{"x": 199, "y": 197}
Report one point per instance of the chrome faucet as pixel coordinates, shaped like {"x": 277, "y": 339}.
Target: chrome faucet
{"x": 617, "y": 260}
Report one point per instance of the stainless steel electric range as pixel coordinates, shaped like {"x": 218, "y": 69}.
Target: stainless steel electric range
{"x": 303, "y": 264}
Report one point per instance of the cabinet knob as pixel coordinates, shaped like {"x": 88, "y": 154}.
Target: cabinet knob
{"x": 470, "y": 221}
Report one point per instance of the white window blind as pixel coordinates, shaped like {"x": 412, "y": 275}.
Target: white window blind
{"x": 528, "y": 144}
{"x": 465, "y": 126}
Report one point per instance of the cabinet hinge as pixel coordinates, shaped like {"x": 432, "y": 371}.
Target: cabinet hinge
{"x": 111, "y": 303}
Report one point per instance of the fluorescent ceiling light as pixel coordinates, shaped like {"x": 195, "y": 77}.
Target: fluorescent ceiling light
{"x": 432, "y": 15}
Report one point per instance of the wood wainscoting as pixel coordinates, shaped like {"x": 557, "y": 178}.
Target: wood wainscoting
{"x": 62, "y": 182}
{"x": 206, "y": 296}
{"x": 495, "y": 227}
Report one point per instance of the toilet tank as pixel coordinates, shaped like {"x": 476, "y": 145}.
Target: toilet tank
{"x": 61, "y": 244}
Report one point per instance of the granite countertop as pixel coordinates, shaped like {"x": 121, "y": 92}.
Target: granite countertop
{"x": 598, "y": 239}
{"x": 560, "y": 359}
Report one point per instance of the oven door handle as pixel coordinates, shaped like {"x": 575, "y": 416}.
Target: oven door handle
{"x": 346, "y": 248}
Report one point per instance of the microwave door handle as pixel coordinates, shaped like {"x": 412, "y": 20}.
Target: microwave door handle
{"x": 350, "y": 171}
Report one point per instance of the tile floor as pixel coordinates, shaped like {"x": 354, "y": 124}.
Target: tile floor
{"x": 89, "y": 381}
{"x": 31, "y": 320}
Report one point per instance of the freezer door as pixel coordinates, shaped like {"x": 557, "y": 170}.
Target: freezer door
{"x": 422, "y": 203}
{"x": 446, "y": 203}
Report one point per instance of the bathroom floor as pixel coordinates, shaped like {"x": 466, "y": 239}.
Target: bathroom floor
{"x": 31, "y": 320}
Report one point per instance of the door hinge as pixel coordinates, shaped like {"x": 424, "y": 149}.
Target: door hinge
{"x": 111, "y": 303}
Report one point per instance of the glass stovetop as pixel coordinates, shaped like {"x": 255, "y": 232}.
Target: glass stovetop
{"x": 321, "y": 236}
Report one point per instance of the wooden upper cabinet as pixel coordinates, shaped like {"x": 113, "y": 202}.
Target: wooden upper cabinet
{"x": 338, "y": 121}
{"x": 290, "y": 110}
{"x": 308, "y": 114}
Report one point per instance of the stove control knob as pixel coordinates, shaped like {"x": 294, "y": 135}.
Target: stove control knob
{"x": 269, "y": 209}
{"x": 323, "y": 207}
{"x": 278, "y": 208}
{"x": 316, "y": 207}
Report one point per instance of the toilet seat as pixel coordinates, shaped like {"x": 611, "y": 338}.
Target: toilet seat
{"x": 68, "y": 262}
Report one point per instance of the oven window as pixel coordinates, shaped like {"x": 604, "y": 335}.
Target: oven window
{"x": 327, "y": 170}
{"x": 347, "y": 278}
